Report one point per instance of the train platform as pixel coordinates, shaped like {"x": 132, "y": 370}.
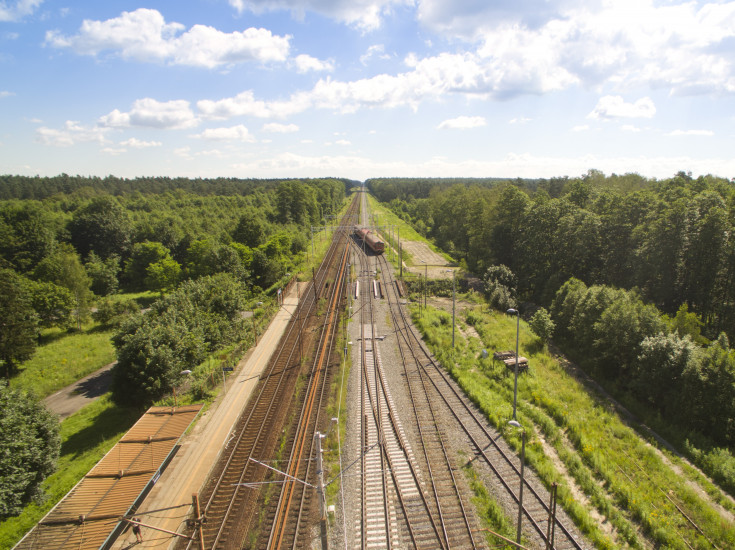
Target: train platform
{"x": 169, "y": 503}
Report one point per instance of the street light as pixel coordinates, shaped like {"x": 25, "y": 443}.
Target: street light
{"x": 515, "y": 312}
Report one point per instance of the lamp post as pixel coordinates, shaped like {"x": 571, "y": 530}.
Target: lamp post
{"x": 515, "y": 312}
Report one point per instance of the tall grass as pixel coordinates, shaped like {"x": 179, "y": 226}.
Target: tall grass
{"x": 621, "y": 474}
{"x": 63, "y": 358}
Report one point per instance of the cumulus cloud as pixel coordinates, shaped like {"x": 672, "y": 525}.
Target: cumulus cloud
{"x": 5, "y": 93}
{"x": 144, "y": 35}
{"x": 233, "y": 133}
{"x": 15, "y": 11}
{"x": 305, "y": 63}
{"x": 519, "y": 120}
{"x": 545, "y": 46}
{"x": 463, "y": 122}
{"x": 276, "y": 128}
{"x": 72, "y": 133}
{"x": 363, "y": 14}
{"x": 614, "y": 106}
{"x": 147, "y": 112}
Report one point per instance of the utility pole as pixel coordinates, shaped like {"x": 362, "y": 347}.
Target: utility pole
{"x": 454, "y": 300}
{"x": 320, "y": 490}
{"x": 198, "y": 520}
{"x": 520, "y": 494}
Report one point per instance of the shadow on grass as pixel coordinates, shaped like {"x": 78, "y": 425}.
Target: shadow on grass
{"x": 105, "y": 425}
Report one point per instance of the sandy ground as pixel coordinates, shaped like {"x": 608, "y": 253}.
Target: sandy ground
{"x": 426, "y": 261}
{"x": 169, "y": 503}
{"x": 69, "y": 400}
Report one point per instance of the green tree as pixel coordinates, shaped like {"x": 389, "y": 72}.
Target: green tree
{"x": 251, "y": 230}
{"x": 143, "y": 255}
{"x": 18, "y": 322}
{"x": 29, "y": 448}
{"x": 54, "y": 304}
{"x": 163, "y": 275}
{"x": 542, "y": 325}
{"x": 151, "y": 353}
{"x": 103, "y": 274}
{"x": 64, "y": 268}
{"x": 27, "y": 234}
{"x": 102, "y": 226}
{"x": 500, "y": 287}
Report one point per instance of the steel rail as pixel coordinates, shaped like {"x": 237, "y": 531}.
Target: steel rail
{"x": 479, "y": 448}
{"x": 393, "y": 306}
{"x": 305, "y": 421}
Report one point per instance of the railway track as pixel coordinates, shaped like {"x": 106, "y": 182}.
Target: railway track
{"x": 282, "y": 414}
{"x": 431, "y": 382}
{"x": 410, "y": 497}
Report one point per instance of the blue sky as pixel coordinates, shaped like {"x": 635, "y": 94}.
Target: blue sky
{"x": 367, "y": 88}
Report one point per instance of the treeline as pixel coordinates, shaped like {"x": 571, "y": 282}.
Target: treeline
{"x": 639, "y": 276}
{"x": 59, "y": 255}
{"x": 672, "y": 239}
{"x": 662, "y": 361}
{"x": 39, "y": 188}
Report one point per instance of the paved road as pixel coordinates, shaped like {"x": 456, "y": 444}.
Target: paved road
{"x": 69, "y": 400}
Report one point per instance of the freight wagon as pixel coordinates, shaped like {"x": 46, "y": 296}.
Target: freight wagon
{"x": 371, "y": 239}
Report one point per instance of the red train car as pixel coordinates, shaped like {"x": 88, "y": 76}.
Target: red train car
{"x": 371, "y": 239}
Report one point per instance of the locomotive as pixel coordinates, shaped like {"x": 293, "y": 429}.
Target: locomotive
{"x": 370, "y": 238}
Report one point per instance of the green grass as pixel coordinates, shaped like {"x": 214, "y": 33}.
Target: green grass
{"x": 622, "y": 476}
{"x": 63, "y": 358}
{"x": 85, "y": 438}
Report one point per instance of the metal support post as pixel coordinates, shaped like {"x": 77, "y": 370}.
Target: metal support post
{"x": 320, "y": 490}
{"x": 198, "y": 520}
{"x": 520, "y": 493}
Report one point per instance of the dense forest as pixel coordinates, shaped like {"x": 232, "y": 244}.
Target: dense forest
{"x": 638, "y": 274}
{"x": 209, "y": 249}
{"x": 79, "y": 239}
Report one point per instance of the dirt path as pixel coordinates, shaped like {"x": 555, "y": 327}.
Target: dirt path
{"x": 70, "y": 399}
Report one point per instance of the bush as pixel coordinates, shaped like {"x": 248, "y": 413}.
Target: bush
{"x": 29, "y": 447}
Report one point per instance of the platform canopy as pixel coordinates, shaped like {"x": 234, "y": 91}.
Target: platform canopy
{"x": 90, "y": 515}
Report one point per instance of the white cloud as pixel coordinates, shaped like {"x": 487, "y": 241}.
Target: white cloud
{"x": 233, "y": 133}
{"x": 630, "y": 128}
{"x": 71, "y": 134}
{"x": 305, "y": 63}
{"x": 136, "y": 143}
{"x": 4, "y": 93}
{"x": 343, "y": 142}
{"x": 147, "y": 112}
{"x": 143, "y": 35}
{"x": 463, "y": 122}
{"x": 15, "y": 11}
{"x": 376, "y": 50}
{"x": 276, "y": 128}
{"x": 364, "y": 14}
{"x": 684, "y": 47}
{"x": 700, "y": 133}
{"x": 580, "y": 128}
{"x": 519, "y": 120}
{"x": 613, "y": 106}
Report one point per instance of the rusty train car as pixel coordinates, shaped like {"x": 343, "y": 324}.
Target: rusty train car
{"x": 370, "y": 238}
